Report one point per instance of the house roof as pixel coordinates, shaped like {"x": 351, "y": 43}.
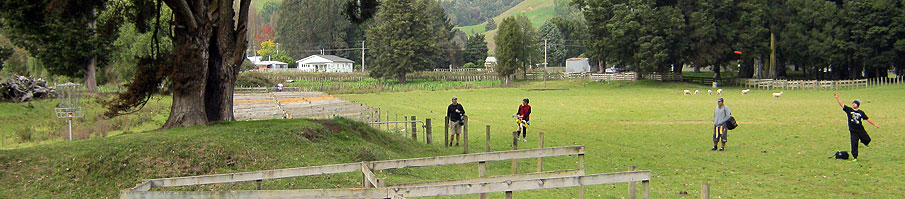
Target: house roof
{"x": 323, "y": 59}
{"x": 577, "y": 59}
{"x": 490, "y": 59}
{"x": 271, "y": 62}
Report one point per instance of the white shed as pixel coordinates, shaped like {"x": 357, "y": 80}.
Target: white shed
{"x": 272, "y": 64}
{"x": 577, "y": 65}
{"x": 489, "y": 63}
{"x": 325, "y": 63}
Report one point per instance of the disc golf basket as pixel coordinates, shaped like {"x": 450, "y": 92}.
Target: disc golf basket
{"x": 69, "y": 95}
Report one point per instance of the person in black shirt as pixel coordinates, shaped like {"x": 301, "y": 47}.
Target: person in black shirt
{"x": 855, "y": 128}
{"x": 456, "y": 114}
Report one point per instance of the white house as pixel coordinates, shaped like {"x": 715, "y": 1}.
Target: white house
{"x": 325, "y": 63}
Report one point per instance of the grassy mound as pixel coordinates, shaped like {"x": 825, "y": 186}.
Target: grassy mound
{"x": 99, "y": 168}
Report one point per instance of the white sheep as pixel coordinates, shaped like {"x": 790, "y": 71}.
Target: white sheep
{"x": 719, "y": 92}
{"x": 777, "y": 95}
{"x": 696, "y": 92}
{"x": 687, "y": 92}
{"x": 709, "y": 92}
{"x": 745, "y": 92}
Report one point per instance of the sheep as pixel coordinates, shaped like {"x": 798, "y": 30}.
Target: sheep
{"x": 745, "y": 92}
{"x": 687, "y": 92}
{"x": 719, "y": 92}
{"x": 696, "y": 92}
{"x": 709, "y": 92}
{"x": 777, "y": 95}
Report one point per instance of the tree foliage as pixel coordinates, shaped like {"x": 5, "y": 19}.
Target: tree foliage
{"x": 825, "y": 39}
{"x": 404, "y": 40}
{"x": 475, "y": 49}
{"x": 514, "y": 46}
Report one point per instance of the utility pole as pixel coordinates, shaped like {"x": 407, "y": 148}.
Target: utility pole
{"x": 545, "y": 63}
{"x": 362, "y": 55}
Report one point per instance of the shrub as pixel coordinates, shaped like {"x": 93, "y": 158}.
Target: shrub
{"x": 252, "y": 79}
{"x": 25, "y": 135}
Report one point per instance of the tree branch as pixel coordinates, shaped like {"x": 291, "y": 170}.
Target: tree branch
{"x": 182, "y": 7}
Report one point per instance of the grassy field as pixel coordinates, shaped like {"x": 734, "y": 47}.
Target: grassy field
{"x": 780, "y": 150}
{"x": 34, "y": 123}
{"x": 100, "y": 168}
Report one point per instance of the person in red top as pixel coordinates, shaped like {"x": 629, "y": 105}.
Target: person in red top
{"x": 524, "y": 113}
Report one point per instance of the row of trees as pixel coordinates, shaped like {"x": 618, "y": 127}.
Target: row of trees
{"x": 825, "y": 39}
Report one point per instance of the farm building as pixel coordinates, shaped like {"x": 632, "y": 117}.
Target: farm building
{"x": 325, "y": 63}
{"x": 271, "y": 65}
{"x": 489, "y": 63}
{"x": 577, "y": 65}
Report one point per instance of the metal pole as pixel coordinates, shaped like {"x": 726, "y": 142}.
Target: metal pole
{"x": 70, "y": 126}
{"x": 362, "y": 56}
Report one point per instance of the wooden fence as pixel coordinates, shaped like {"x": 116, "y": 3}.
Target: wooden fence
{"x": 663, "y": 77}
{"x": 459, "y": 69}
{"x": 374, "y": 187}
{"x": 629, "y": 76}
{"x": 771, "y": 84}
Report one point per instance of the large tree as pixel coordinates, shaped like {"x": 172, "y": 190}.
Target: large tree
{"x": 307, "y": 26}
{"x": 510, "y": 51}
{"x": 475, "y": 49}
{"x": 402, "y": 39}
{"x": 71, "y": 38}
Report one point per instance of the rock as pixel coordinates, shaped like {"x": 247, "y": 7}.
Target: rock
{"x": 22, "y": 89}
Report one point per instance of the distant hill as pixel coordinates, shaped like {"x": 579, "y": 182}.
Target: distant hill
{"x": 538, "y": 11}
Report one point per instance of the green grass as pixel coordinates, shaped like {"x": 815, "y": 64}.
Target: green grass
{"x": 780, "y": 149}
{"x": 33, "y": 123}
{"x": 100, "y": 168}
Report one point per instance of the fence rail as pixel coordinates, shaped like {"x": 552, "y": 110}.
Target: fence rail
{"x": 375, "y": 187}
{"x": 815, "y": 84}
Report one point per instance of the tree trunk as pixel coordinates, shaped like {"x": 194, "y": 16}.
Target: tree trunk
{"x": 746, "y": 70}
{"x": 190, "y": 68}
{"x": 227, "y": 48}
{"x": 716, "y": 72}
{"x": 759, "y": 68}
{"x": 91, "y": 76}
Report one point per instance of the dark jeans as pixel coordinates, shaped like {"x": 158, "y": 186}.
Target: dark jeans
{"x": 856, "y": 136}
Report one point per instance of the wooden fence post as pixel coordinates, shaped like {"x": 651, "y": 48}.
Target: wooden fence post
{"x": 631, "y": 186}
{"x": 514, "y": 147}
{"x": 482, "y": 169}
{"x": 581, "y": 172}
{"x": 260, "y": 184}
{"x": 465, "y": 134}
{"x": 427, "y": 131}
{"x": 645, "y": 189}
{"x": 540, "y": 144}
{"x": 705, "y": 191}
{"x": 487, "y": 140}
{"x": 446, "y": 131}
{"x": 414, "y": 128}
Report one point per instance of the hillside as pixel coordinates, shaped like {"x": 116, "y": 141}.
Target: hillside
{"x": 101, "y": 167}
{"x": 538, "y": 11}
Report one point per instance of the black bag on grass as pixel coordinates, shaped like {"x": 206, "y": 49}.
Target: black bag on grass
{"x": 841, "y": 155}
{"x": 731, "y": 124}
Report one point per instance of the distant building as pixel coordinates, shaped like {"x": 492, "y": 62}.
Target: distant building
{"x": 577, "y": 65}
{"x": 489, "y": 63}
{"x": 325, "y": 64}
{"x": 271, "y": 65}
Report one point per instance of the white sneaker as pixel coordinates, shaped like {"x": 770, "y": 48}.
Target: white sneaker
{"x": 525, "y": 140}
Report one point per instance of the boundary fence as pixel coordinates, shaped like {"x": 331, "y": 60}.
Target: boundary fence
{"x": 374, "y": 187}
